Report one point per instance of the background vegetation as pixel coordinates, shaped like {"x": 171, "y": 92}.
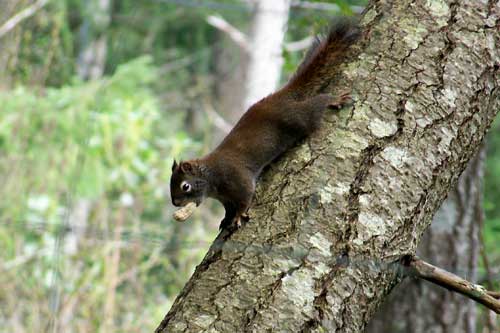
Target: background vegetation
{"x": 86, "y": 236}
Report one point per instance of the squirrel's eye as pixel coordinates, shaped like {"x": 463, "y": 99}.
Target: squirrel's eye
{"x": 185, "y": 186}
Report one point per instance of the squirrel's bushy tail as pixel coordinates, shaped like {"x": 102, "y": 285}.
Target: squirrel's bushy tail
{"x": 321, "y": 63}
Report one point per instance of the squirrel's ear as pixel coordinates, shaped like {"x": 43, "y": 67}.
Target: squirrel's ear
{"x": 174, "y": 165}
{"x": 186, "y": 167}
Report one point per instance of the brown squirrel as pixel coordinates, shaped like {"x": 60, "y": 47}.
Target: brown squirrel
{"x": 268, "y": 129}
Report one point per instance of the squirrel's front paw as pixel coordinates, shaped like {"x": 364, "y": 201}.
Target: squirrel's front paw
{"x": 234, "y": 223}
{"x": 245, "y": 217}
{"x": 341, "y": 100}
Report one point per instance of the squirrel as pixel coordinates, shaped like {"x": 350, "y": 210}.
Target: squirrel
{"x": 269, "y": 128}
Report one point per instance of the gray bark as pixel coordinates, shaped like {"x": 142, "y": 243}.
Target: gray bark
{"x": 266, "y": 40}
{"x": 451, "y": 243}
{"x": 231, "y": 62}
{"x": 258, "y": 71}
{"x": 333, "y": 217}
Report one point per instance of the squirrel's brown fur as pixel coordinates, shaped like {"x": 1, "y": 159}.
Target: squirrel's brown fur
{"x": 269, "y": 128}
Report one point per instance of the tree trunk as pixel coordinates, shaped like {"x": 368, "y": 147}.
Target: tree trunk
{"x": 452, "y": 243}
{"x": 266, "y": 40}
{"x": 230, "y": 63}
{"x": 332, "y": 219}
{"x": 245, "y": 76}
{"x": 92, "y": 56}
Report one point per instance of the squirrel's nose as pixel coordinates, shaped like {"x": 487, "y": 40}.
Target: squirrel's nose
{"x": 176, "y": 202}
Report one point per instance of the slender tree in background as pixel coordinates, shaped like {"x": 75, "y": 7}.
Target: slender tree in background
{"x": 259, "y": 66}
{"x": 331, "y": 220}
{"x": 451, "y": 242}
{"x": 229, "y": 64}
{"x": 93, "y": 41}
{"x": 266, "y": 38}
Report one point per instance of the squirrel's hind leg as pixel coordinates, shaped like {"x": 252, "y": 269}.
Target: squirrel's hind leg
{"x": 339, "y": 101}
{"x": 306, "y": 115}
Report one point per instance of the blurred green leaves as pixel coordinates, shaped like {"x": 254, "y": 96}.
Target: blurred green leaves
{"x": 97, "y": 134}
{"x": 100, "y": 143}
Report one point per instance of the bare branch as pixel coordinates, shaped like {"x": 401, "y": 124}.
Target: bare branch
{"x": 453, "y": 282}
{"x": 323, "y": 6}
{"x": 216, "y": 118}
{"x": 22, "y": 15}
{"x": 316, "y": 5}
{"x": 494, "y": 294}
{"x": 21, "y": 260}
{"x": 236, "y": 35}
{"x": 299, "y": 44}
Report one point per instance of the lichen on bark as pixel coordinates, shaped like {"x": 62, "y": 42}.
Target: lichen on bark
{"x": 333, "y": 216}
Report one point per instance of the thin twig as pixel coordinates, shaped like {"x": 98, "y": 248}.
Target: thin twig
{"x": 452, "y": 282}
{"x": 22, "y": 259}
{"x": 299, "y": 45}
{"x": 219, "y": 122}
{"x": 21, "y": 16}
{"x": 242, "y": 40}
{"x": 316, "y": 5}
{"x": 494, "y": 294}
{"x": 324, "y": 6}
{"x": 236, "y": 35}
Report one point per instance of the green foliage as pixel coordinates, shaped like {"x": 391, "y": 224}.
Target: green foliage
{"x": 153, "y": 27}
{"x": 492, "y": 188}
{"x": 93, "y": 142}
{"x": 105, "y": 122}
{"x": 491, "y": 232}
{"x": 45, "y": 53}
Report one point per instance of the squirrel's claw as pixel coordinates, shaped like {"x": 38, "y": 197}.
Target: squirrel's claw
{"x": 234, "y": 223}
{"x": 341, "y": 100}
{"x": 245, "y": 217}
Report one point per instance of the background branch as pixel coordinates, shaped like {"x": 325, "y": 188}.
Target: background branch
{"x": 21, "y": 16}
{"x": 299, "y": 45}
{"x": 494, "y": 294}
{"x": 453, "y": 282}
{"x": 242, "y": 40}
{"x": 216, "y": 118}
{"x": 236, "y": 35}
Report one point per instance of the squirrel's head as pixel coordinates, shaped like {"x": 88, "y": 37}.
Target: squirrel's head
{"x": 187, "y": 184}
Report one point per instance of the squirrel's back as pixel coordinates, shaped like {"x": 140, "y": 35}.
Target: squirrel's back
{"x": 268, "y": 129}
{"x": 322, "y": 61}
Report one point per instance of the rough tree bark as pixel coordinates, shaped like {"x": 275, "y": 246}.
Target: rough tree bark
{"x": 451, "y": 243}
{"x": 333, "y": 217}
